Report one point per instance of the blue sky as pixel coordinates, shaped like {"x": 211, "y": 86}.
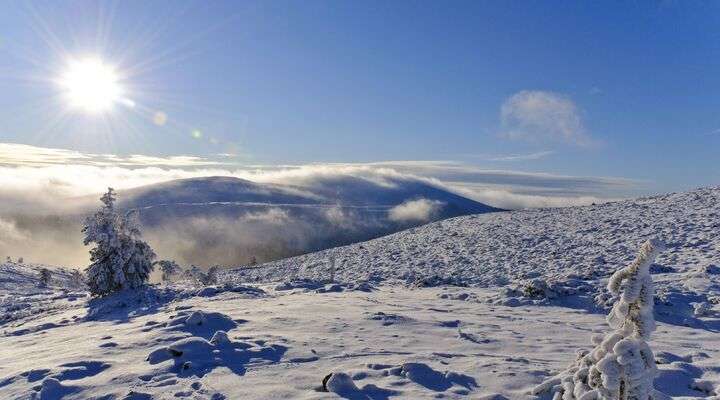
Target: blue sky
{"x": 589, "y": 89}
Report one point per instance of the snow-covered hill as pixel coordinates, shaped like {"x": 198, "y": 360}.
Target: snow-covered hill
{"x": 496, "y": 249}
{"x": 338, "y": 190}
{"x": 483, "y": 307}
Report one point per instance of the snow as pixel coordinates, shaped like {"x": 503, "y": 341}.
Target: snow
{"x": 485, "y": 306}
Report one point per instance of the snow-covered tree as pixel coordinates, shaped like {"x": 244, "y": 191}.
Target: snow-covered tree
{"x": 120, "y": 258}
{"x": 622, "y": 365}
{"x": 45, "y": 277}
{"x": 196, "y": 274}
{"x": 168, "y": 269}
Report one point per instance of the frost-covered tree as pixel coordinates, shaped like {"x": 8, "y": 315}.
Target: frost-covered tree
{"x": 622, "y": 365}
{"x": 120, "y": 258}
{"x": 198, "y": 276}
{"x": 168, "y": 268}
{"x": 45, "y": 277}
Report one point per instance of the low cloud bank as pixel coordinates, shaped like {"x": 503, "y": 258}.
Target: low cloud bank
{"x": 419, "y": 210}
{"x": 45, "y": 192}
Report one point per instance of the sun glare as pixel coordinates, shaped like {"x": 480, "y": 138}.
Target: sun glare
{"x": 91, "y": 85}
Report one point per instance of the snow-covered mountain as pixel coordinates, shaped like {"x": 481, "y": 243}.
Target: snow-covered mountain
{"x": 230, "y": 221}
{"x": 346, "y": 191}
{"x": 332, "y": 192}
{"x": 482, "y": 307}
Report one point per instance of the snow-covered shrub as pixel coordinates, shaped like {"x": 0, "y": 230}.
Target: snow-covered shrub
{"x": 622, "y": 365}
{"x": 8, "y": 260}
{"x": 211, "y": 277}
{"x": 120, "y": 258}
{"x": 45, "y": 277}
{"x": 77, "y": 278}
{"x": 200, "y": 277}
{"x": 701, "y": 309}
{"x": 168, "y": 269}
{"x": 538, "y": 289}
{"x": 191, "y": 273}
{"x": 21, "y": 260}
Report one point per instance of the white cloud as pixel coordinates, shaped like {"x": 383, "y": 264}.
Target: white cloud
{"x": 414, "y": 210}
{"x": 522, "y": 157}
{"x": 26, "y": 155}
{"x": 34, "y": 178}
{"x": 540, "y": 116}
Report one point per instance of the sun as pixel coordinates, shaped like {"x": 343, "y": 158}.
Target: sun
{"x": 90, "y": 85}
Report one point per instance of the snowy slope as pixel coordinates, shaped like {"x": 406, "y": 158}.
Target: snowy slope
{"x": 495, "y": 249}
{"x": 22, "y": 295}
{"x": 535, "y": 295}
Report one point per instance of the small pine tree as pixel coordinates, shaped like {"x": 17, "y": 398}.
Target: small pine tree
{"x": 45, "y": 277}
{"x": 622, "y": 365}
{"x": 120, "y": 258}
{"x": 168, "y": 268}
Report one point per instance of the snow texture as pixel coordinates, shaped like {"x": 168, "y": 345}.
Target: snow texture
{"x": 481, "y": 307}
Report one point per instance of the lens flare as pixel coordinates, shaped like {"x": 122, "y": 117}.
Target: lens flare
{"x": 159, "y": 118}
